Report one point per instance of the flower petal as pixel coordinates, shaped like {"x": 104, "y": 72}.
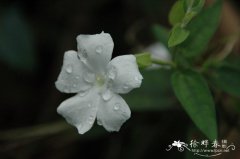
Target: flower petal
{"x": 158, "y": 51}
{"x": 124, "y": 74}
{"x": 95, "y": 50}
{"x": 72, "y": 78}
{"x": 80, "y": 110}
{"x": 113, "y": 113}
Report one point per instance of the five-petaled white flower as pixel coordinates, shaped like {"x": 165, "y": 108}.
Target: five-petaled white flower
{"x": 97, "y": 82}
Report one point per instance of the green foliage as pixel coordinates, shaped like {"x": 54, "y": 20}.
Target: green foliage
{"x": 193, "y": 5}
{"x": 193, "y": 28}
{"x": 195, "y": 97}
{"x": 177, "y": 36}
{"x": 177, "y": 13}
{"x": 143, "y": 60}
{"x": 201, "y": 28}
{"x": 192, "y": 8}
{"x": 227, "y": 78}
{"x": 180, "y": 15}
{"x": 16, "y": 45}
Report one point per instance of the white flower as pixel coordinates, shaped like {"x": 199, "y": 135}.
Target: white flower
{"x": 97, "y": 82}
{"x": 160, "y": 52}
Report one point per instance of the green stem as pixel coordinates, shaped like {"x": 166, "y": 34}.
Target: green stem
{"x": 166, "y": 63}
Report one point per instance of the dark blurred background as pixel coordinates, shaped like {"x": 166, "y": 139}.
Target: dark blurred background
{"x": 33, "y": 38}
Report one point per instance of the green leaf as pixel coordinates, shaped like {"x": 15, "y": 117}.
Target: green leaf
{"x": 198, "y": 5}
{"x": 227, "y": 78}
{"x": 161, "y": 34}
{"x": 202, "y": 28}
{"x": 188, "y": 17}
{"x": 192, "y": 8}
{"x": 176, "y": 13}
{"x": 193, "y": 5}
{"x": 16, "y": 41}
{"x": 143, "y": 60}
{"x": 193, "y": 93}
{"x": 177, "y": 36}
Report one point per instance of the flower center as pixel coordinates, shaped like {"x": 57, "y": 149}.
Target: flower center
{"x": 100, "y": 80}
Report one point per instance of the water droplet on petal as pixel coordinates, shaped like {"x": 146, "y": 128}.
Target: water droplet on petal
{"x": 99, "y": 49}
{"x": 91, "y": 119}
{"x": 125, "y": 87}
{"x": 69, "y": 69}
{"x": 89, "y": 105}
{"x": 112, "y": 73}
{"x": 83, "y": 56}
{"x": 90, "y": 122}
{"x": 138, "y": 79}
{"x": 83, "y": 93}
{"x": 77, "y": 77}
{"x": 107, "y": 95}
{"x": 84, "y": 61}
{"x": 79, "y": 126}
{"x": 116, "y": 106}
{"x": 99, "y": 122}
{"x": 89, "y": 77}
{"x": 74, "y": 85}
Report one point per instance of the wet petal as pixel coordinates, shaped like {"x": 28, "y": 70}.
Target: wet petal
{"x": 123, "y": 74}
{"x": 80, "y": 110}
{"x": 113, "y": 113}
{"x": 72, "y": 78}
{"x": 95, "y": 50}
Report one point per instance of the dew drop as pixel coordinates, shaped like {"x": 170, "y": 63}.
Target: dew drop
{"x": 89, "y": 105}
{"x": 79, "y": 126}
{"x": 112, "y": 73}
{"x": 90, "y": 119}
{"x": 125, "y": 87}
{"x": 99, "y": 49}
{"x": 138, "y": 79}
{"x": 99, "y": 122}
{"x": 116, "y": 106}
{"x": 83, "y": 93}
{"x": 84, "y": 61}
{"x": 90, "y": 122}
{"x": 74, "y": 85}
{"x": 107, "y": 95}
{"x": 83, "y": 56}
{"x": 77, "y": 77}
{"x": 89, "y": 77}
{"x": 69, "y": 69}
